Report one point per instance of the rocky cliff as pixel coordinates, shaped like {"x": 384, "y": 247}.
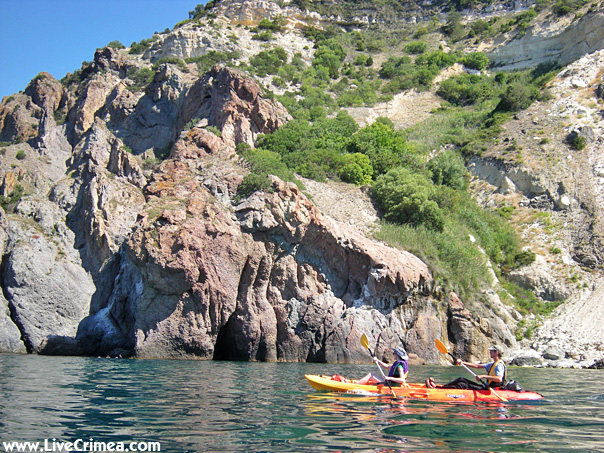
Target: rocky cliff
{"x": 107, "y": 257}
{"x": 130, "y": 238}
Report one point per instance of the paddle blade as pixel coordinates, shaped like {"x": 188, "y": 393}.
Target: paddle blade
{"x": 364, "y": 341}
{"x": 440, "y": 346}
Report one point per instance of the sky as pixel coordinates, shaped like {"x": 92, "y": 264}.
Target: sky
{"x": 56, "y": 36}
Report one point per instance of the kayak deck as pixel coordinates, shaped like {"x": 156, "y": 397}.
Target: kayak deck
{"x": 420, "y": 391}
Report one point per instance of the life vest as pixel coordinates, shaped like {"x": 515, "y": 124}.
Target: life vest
{"x": 491, "y": 372}
{"x": 395, "y": 365}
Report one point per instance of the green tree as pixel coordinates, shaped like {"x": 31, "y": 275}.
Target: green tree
{"x": 448, "y": 169}
{"x": 357, "y": 169}
{"x": 406, "y": 198}
{"x": 385, "y": 147}
{"x": 476, "y": 60}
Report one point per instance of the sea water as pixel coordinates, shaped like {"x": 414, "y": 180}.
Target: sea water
{"x": 211, "y": 406}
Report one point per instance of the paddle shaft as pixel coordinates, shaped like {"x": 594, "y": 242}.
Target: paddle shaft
{"x": 366, "y": 344}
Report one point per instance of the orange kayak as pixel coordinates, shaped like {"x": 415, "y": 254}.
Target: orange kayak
{"x": 419, "y": 391}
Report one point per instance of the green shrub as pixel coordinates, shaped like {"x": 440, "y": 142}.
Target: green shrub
{"x": 465, "y": 89}
{"x": 476, "y": 60}
{"x": 437, "y": 58}
{"x": 264, "y": 36}
{"x": 141, "y": 77}
{"x": 20, "y": 154}
{"x": 385, "y": 147}
{"x": 578, "y": 142}
{"x": 360, "y": 60}
{"x": 525, "y": 258}
{"x": 269, "y": 61}
{"x": 116, "y": 45}
{"x": 523, "y": 19}
{"x": 364, "y": 94}
{"x": 275, "y": 25}
{"x": 214, "y": 130}
{"x": 448, "y": 169}
{"x": 415, "y": 47}
{"x": 251, "y": 183}
{"x": 517, "y": 96}
{"x": 264, "y": 162}
{"x": 453, "y": 27}
{"x": 406, "y": 198}
{"x": 357, "y": 169}
{"x": 394, "y": 66}
{"x": 329, "y": 55}
{"x": 10, "y": 202}
{"x": 213, "y": 57}
{"x": 141, "y": 47}
{"x": 564, "y": 7}
{"x": 170, "y": 60}
{"x": 480, "y": 27}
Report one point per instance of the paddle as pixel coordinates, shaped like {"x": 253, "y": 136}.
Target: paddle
{"x": 442, "y": 348}
{"x": 365, "y": 344}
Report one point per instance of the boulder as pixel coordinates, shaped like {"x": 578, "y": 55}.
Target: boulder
{"x": 45, "y": 91}
{"x": 553, "y": 353}
{"x": 528, "y": 358}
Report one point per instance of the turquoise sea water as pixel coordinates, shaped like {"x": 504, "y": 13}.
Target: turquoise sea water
{"x": 193, "y": 406}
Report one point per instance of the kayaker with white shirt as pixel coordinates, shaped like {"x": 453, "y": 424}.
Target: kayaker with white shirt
{"x": 495, "y": 377}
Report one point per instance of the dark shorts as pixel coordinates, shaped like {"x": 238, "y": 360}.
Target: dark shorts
{"x": 463, "y": 383}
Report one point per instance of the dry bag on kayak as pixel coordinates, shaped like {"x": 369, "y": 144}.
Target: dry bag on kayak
{"x": 512, "y": 385}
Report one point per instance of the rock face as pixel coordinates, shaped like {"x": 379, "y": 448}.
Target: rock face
{"x": 119, "y": 260}
{"x": 541, "y": 45}
{"x": 233, "y": 104}
{"x": 275, "y": 282}
{"x": 165, "y": 263}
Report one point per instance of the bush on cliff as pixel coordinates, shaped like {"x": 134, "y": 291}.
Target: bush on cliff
{"x": 408, "y": 198}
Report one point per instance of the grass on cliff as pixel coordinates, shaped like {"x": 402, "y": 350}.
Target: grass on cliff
{"x": 460, "y": 253}
{"x": 456, "y": 263}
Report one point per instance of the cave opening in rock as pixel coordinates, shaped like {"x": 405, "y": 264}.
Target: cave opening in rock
{"x": 225, "y": 348}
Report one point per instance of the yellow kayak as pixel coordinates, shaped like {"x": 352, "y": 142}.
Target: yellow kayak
{"x": 418, "y": 391}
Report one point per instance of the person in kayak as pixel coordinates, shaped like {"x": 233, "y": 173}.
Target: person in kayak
{"x": 495, "y": 377}
{"x": 397, "y": 375}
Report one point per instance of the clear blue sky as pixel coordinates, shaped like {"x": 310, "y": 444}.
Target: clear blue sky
{"x": 56, "y": 36}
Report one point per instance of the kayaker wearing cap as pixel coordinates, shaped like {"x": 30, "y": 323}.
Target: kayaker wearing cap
{"x": 495, "y": 377}
{"x": 398, "y": 370}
